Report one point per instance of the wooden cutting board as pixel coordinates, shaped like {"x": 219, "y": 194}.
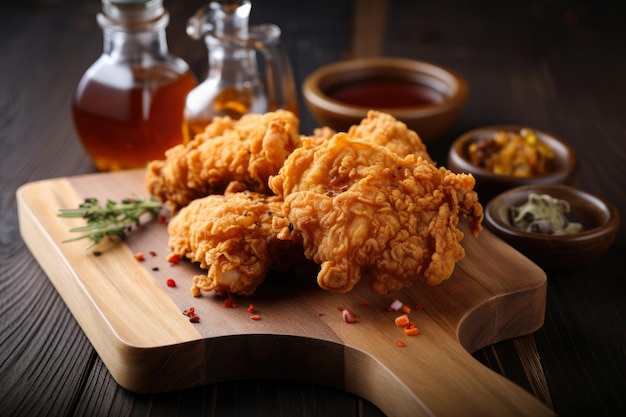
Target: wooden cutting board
{"x": 135, "y": 321}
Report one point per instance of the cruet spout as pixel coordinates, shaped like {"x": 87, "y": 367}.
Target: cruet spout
{"x": 220, "y": 19}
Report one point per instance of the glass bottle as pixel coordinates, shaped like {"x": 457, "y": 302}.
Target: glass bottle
{"x": 249, "y": 71}
{"x": 128, "y": 106}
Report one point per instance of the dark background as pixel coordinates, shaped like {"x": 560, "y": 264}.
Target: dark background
{"x": 556, "y": 65}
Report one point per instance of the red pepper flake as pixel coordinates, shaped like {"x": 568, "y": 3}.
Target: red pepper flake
{"x": 191, "y": 313}
{"x": 364, "y": 303}
{"x": 171, "y": 283}
{"x": 348, "y": 316}
{"x": 173, "y": 258}
{"x": 139, "y": 256}
{"x": 450, "y": 292}
{"x": 229, "y": 302}
{"x": 163, "y": 220}
{"x": 411, "y": 329}
{"x": 152, "y": 253}
{"x": 255, "y": 317}
{"x": 251, "y": 309}
{"x": 402, "y": 320}
{"x": 400, "y": 343}
{"x": 419, "y": 307}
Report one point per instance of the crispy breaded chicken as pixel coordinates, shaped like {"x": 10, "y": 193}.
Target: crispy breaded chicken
{"x": 383, "y": 129}
{"x": 241, "y": 154}
{"x": 232, "y": 237}
{"x": 360, "y": 210}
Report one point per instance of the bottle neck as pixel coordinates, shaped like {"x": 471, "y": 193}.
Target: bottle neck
{"x": 135, "y": 41}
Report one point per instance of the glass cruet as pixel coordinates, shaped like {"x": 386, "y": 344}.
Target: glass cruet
{"x": 248, "y": 69}
{"x": 128, "y": 106}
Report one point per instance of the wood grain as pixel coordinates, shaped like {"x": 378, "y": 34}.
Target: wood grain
{"x": 134, "y": 320}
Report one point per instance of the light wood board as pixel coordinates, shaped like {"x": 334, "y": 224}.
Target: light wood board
{"x": 135, "y": 321}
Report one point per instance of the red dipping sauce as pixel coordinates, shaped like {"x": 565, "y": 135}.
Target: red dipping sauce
{"x": 385, "y": 93}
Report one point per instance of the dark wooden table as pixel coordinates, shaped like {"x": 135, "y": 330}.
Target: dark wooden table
{"x": 559, "y": 66}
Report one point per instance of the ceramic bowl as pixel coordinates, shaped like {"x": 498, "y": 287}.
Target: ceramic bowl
{"x": 561, "y": 170}
{"x": 426, "y": 97}
{"x": 598, "y": 217}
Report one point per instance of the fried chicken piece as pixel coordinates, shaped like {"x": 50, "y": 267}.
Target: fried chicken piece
{"x": 320, "y": 134}
{"x": 383, "y": 129}
{"x": 232, "y": 237}
{"x": 245, "y": 151}
{"x": 361, "y": 210}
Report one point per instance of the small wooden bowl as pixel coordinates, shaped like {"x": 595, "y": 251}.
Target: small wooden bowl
{"x": 426, "y": 97}
{"x": 599, "y": 218}
{"x": 562, "y": 170}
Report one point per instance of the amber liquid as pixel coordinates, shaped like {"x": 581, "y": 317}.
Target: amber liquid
{"x": 126, "y": 118}
{"x": 227, "y": 102}
{"x": 385, "y": 93}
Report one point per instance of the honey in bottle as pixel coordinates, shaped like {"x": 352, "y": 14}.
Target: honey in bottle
{"x": 248, "y": 72}
{"x": 128, "y": 107}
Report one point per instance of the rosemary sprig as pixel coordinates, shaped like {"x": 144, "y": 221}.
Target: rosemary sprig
{"x": 114, "y": 219}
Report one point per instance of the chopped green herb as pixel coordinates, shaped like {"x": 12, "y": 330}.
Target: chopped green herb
{"x": 113, "y": 220}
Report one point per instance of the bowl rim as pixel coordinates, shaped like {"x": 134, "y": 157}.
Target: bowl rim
{"x": 611, "y": 225}
{"x": 554, "y": 141}
{"x": 456, "y": 84}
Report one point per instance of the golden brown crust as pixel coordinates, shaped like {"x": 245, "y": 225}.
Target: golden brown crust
{"x": 366, "y": 203}
{"x": 246, "y": 151}
{"x": 383, "y": 129}
{"x": 231, "y": 236}
{"x": 360, "y": 209}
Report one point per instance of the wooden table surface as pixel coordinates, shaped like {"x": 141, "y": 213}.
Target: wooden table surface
{"x": 558, "y": 66}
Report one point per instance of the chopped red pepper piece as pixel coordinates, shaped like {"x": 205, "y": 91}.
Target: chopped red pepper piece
{"x": 411, "y": 329}
{"x": 229, "y": 302}
{"x": 402, "y": 320}
{"x": 173, "y": 258}
{"x": 349, "y": 316}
